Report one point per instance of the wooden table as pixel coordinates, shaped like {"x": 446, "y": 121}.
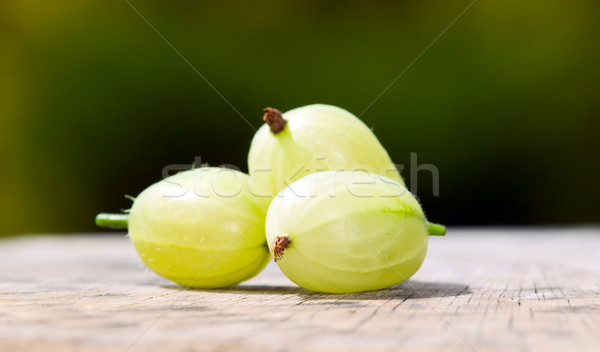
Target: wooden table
{"x": 479, "y": 290}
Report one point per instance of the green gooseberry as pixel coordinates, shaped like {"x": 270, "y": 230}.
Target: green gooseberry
{"x": 313, "y": 138}
{"x": 344, "y": 231}
{"x": 202, "y": 228}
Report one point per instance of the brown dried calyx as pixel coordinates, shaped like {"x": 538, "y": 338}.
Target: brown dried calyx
{"x": 280, "y": 243}
{"x": 274, "y": 119}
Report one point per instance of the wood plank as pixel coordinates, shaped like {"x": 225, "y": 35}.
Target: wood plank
{"x": 479, "y": 290}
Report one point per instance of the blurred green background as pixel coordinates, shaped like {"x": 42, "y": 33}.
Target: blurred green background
{"x": 506, "y": 104}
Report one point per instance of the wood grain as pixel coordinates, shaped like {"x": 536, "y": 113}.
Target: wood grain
{"x": 479, "y": 290}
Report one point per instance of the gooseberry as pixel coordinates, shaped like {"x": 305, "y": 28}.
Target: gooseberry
{"x": 344, "y": 231}
{"x": 313, "y": 138}
{"x": 201, "y": 228}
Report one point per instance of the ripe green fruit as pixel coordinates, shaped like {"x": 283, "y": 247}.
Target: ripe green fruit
{"x": 201, "y": 228}
{"x": 346, "y": 231}
{"x": 310, "y": 139}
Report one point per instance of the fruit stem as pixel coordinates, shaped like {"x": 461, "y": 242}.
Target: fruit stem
{"x": 280, "y": 243}
{"x": 112, "y": 221}
{"x": 436, "y": 229}
{"x": 274, "y": 119}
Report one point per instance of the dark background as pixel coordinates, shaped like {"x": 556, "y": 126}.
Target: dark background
{"x": 506, "y": 104}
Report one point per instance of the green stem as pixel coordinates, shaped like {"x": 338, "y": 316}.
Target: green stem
{"x": 436, "y": 229}
{"x": 112, "y": 221}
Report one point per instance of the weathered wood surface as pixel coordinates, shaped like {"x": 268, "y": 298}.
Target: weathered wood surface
{"x": 479, "y": 290}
